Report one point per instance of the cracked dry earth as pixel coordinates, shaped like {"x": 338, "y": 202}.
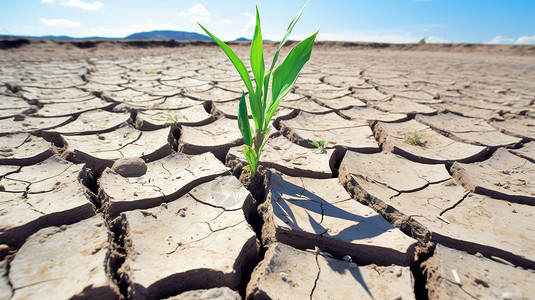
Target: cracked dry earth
{"x": 121, "y": 174}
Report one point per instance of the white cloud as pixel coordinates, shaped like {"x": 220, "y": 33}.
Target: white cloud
{"x": 47, "y": 1}
{"x": 365, "y": 37}
{"x": 197, "y": 13}
{"x": 59, "y": 22}
{"x": 437, "y": 40}
{"x": 123, "y": 31}
{"x": 225, "y": 21}
{"x": 525, "y": 40}
{"x": 199, "y": 10}
{"x": 500, "y": 40}
{"x": 80, "y": 4}
{"x": 248, "y": 29}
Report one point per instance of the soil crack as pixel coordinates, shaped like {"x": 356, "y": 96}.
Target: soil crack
{"x": 317, "y": 276}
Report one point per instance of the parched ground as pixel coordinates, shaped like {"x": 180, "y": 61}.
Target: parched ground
{"x": 120, "y": 169}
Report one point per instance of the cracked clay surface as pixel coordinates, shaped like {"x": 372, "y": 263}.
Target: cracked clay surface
{"x": 424, "y": 189}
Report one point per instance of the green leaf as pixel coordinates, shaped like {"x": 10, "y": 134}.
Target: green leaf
{"x": 271, "y": 111}
{"x": 266, "y": 134}
{"x": 255, "y": 102}
{"x": 257, "y": 55}
{"x": 257, "y": 64}
{"x": 238, "y": 64}
{"x": 266, "y": 87}
{"x": 251, "y": 157}
{"x": 243, "y": 122}
{"x": 288, "y": 32}
{"x": 275, "y": 58}
{"x": 315, "y": 143}
{"x": 287, "y": 72}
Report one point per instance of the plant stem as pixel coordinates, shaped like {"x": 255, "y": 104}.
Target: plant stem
{"x": 258, "y": 141}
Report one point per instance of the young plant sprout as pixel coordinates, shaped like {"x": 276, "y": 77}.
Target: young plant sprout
{"x": 284, "y": 77}
{"x": 321, "y": 146}
{"x": 414, "y": 140}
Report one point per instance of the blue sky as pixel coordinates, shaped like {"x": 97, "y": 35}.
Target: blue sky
{"x": 396, "y": 21}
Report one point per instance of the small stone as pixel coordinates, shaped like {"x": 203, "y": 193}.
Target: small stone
{"x": 130, "y": 166}
{"x": 508, "y": 296}
{"x": 19, "y": 117}
{"x": 481, "y": 282}
{"x": 347, "y": 258}
{"x": 285, "y": 277}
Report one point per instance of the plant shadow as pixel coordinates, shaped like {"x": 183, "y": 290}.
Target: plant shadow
{"x": 315, "y": 221}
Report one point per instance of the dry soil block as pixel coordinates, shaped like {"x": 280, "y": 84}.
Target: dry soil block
{"x": 504, "y": 175}
{"x": 93, "y": 122}
{"x": 227, "y": 109}
{"x": 459, "y": 108}
{"x": 330, "y": 127}
{"x": 11, "y": 105}
{"x": 344, "y": 102}
{"x": 73, "y": 107}
{"x": 156, "y": 119}
{"x": 306, "y": 105}
{"x": 527, "y": 151}
{"x": 369, "y": 94}
{"x": 288, "y": 273}
{"x": 64, "y": 263}
{"x": 101, "y": 150}
{"x": 165, "y": 180}
{"x": 520, "y": 126}
{"x": 369, "y": 115}
{"x": 216, "y": 137}
{"x": 281, "y": 154}
{"x": 47, "y": 96}
{"x": 219, "y": 293}
{"x": 432, "y": 147}
{"x": 212, "y": 94}
{"x": 402, "y": 106}
{"x": 477, "y": 277}
{"x": 201, "y": 240}
{"x": 23, "y": 149}
{"x": 50, "y": 193}
{"x": 426, "y": 201}
{"x": 468, "y": 130}
{"x": 27, "y": 124}
{"x": 305, "y": 212}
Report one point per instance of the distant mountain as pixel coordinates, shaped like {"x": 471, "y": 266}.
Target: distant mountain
{"x": 56, "y": 37}
{"x": 168, "y": 35}
{"x": 244, "y": 39}
{"x": 150, "y": 35}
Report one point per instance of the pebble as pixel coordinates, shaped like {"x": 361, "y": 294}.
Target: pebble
{"x": 130, "y": 166}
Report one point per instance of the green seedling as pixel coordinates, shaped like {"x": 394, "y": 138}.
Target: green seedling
{"x": 321, "y": 146}
{"x": 414, "y": 140}
{"x": 284, "y": 77}
{"x": 172, "y": 121}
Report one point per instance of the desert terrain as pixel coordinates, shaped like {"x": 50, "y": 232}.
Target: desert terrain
{"x": 121, "y": 174}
